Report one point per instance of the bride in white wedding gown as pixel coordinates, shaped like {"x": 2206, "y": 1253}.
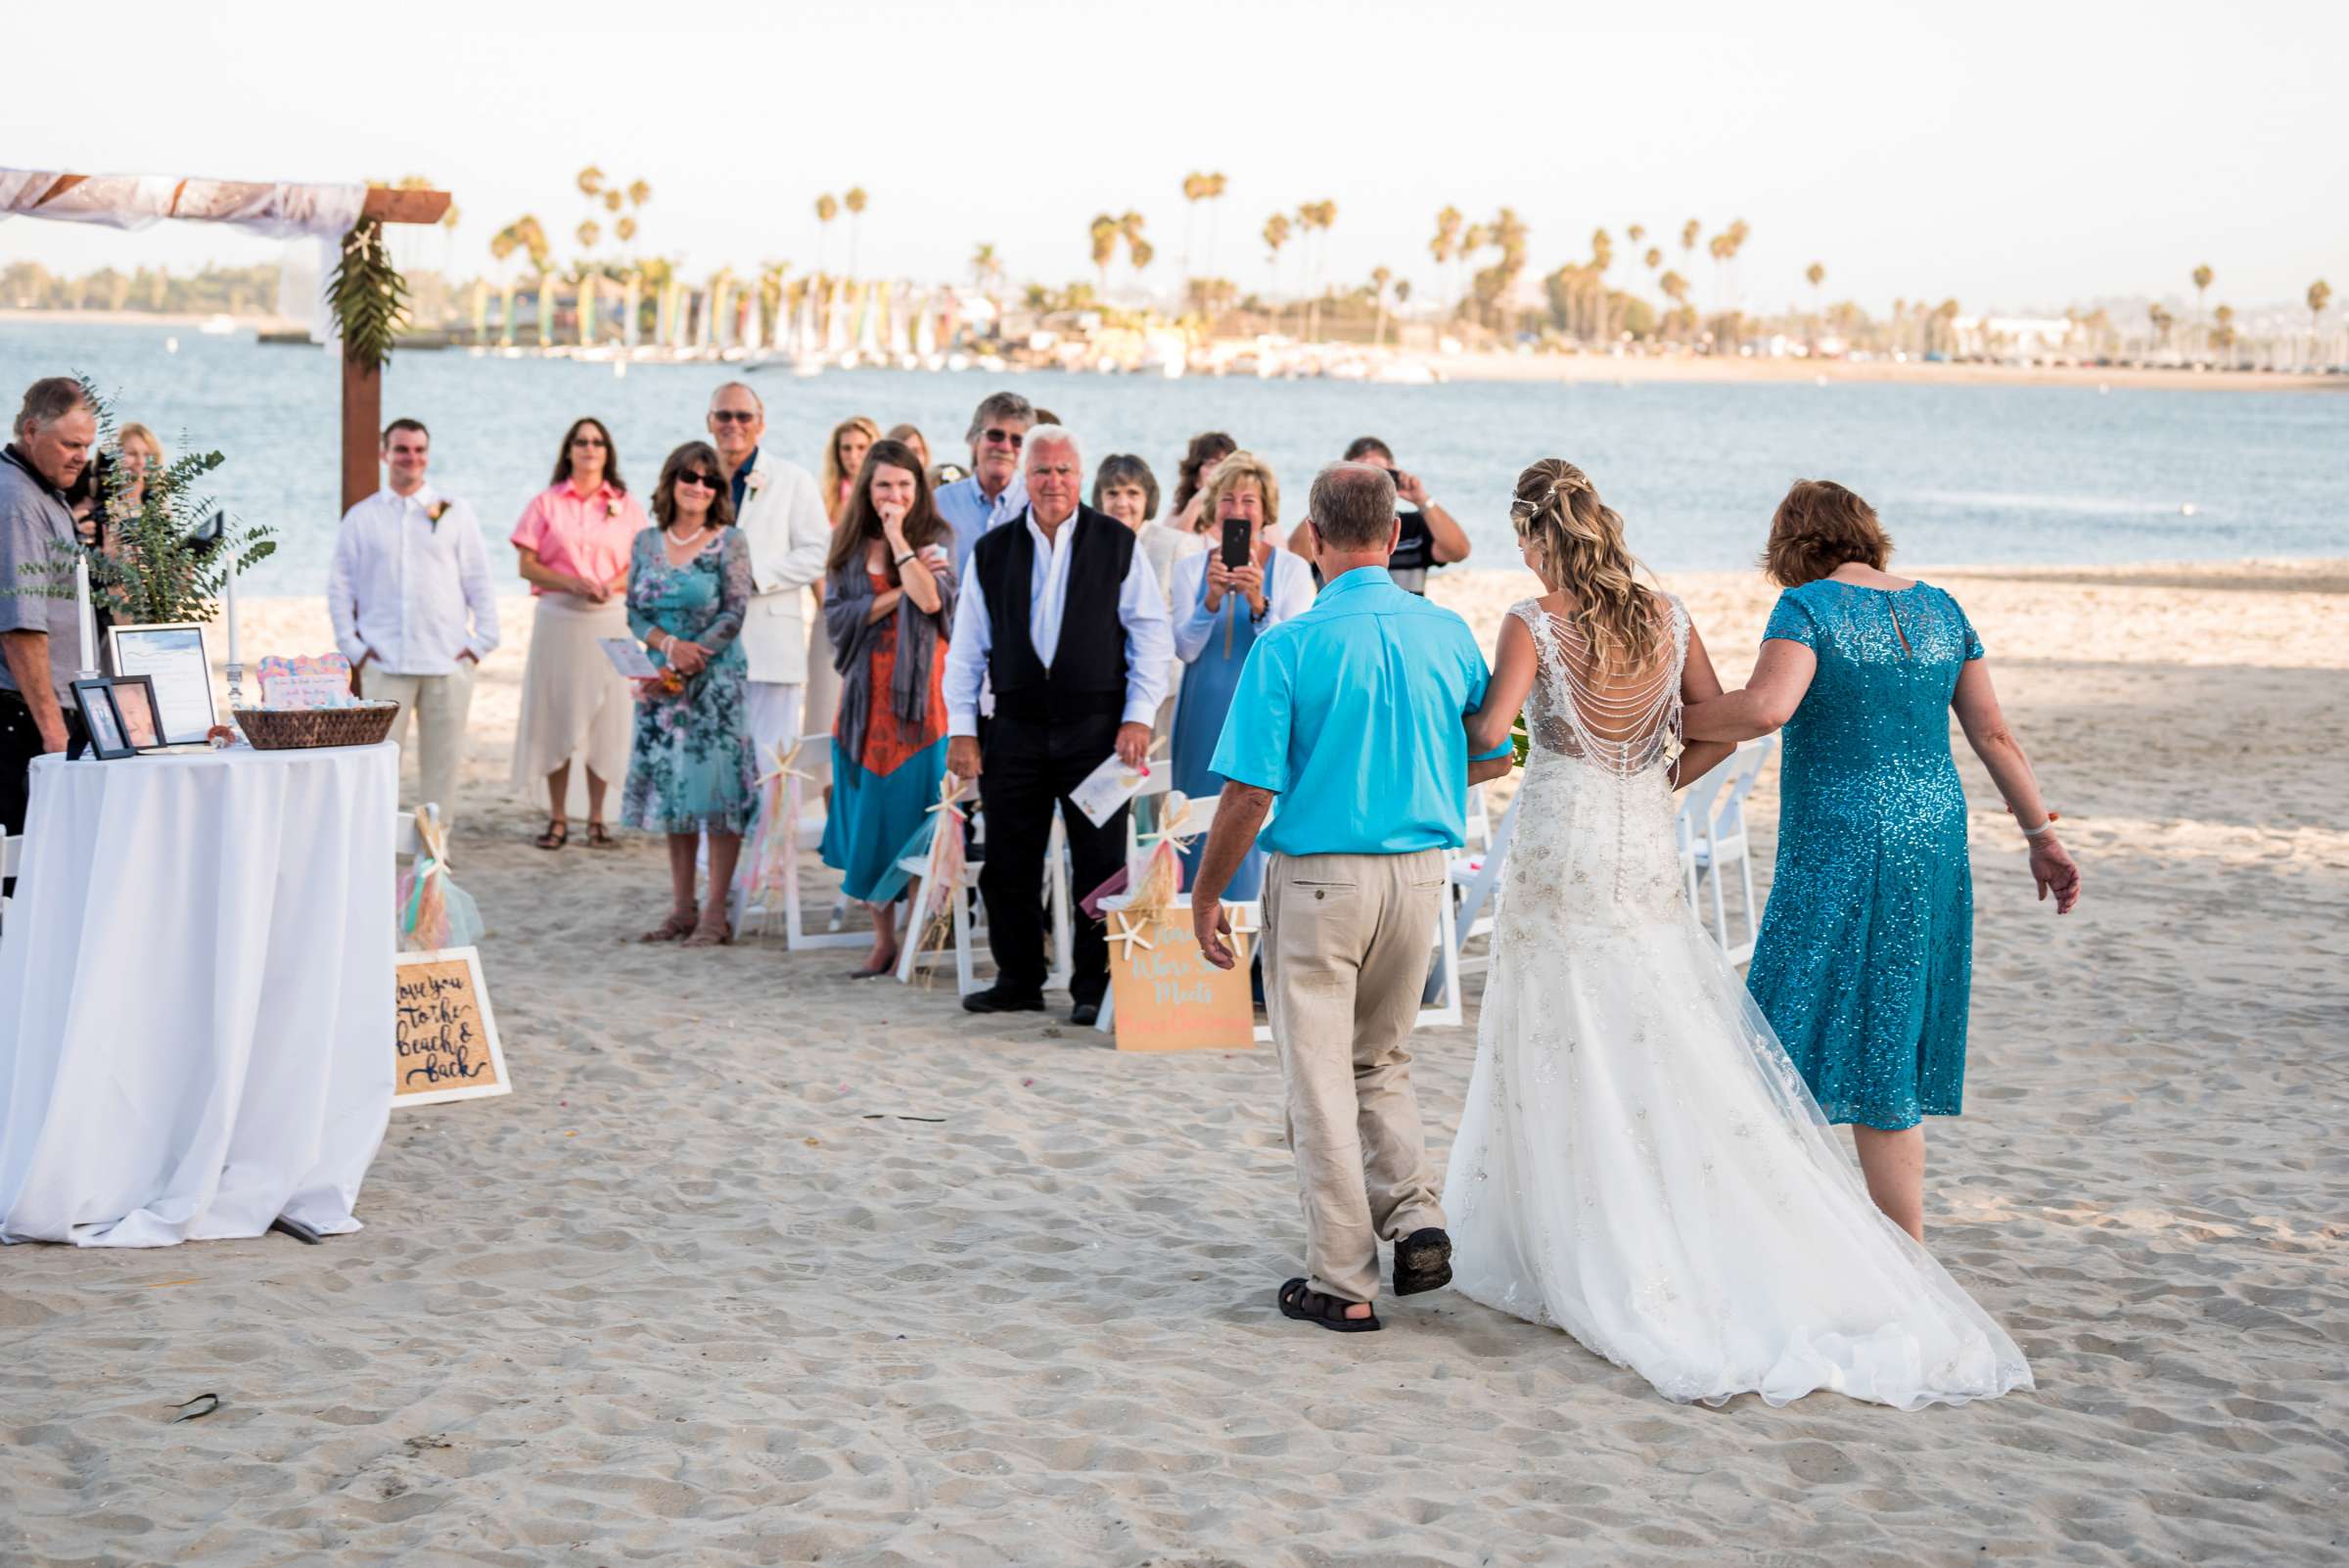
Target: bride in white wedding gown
{"x": 1638, "y": 1163}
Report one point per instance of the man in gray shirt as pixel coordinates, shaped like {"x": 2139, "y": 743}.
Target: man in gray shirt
{"x": 54, "y": 433}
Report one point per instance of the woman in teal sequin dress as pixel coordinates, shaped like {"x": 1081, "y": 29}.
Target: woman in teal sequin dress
{"x": 1864, "y": 962}
{"x": 692, "y": 772}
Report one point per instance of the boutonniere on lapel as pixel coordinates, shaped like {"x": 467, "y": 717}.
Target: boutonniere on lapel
{"x": 756, "y": 482}
{"x": 435, "y": 512}
{"x": 612, "y": 508}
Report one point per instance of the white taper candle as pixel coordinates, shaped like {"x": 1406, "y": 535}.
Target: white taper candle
{"x": 85, "y": 620}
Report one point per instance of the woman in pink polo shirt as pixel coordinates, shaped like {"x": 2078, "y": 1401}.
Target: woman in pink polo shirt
{"x": 575, "y": 538}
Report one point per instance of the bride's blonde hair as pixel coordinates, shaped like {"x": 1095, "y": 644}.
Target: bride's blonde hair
{"x": 1579, "y": 541}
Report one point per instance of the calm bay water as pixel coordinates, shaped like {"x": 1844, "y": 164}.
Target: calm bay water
{"x": 1960, "y": 474}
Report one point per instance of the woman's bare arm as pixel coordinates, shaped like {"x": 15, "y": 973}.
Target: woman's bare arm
{"x": 1513, "y": 665}
{"x": 1770, "y": 698}
{"x": 1976, "y": 702}
{"x": 1698, "y": 684}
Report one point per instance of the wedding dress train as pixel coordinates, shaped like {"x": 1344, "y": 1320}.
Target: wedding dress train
{"x": 1638, "y": 1163}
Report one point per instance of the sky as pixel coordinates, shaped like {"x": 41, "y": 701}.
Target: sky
{"x": 2011, "y": 157}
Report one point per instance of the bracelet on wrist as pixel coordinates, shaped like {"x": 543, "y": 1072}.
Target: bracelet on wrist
{"x": 905, "y": 557}
{"x": 2045, "y": 828}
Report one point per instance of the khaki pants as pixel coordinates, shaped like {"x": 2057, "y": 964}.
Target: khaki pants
{"x": 440, "y": 704}
{"x": 1347, "y": 943}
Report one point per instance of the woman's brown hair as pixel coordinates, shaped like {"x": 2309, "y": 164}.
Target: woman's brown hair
{"x": 1579, "y": 541}
{"x": 619, "y": 486}
{"x": 1205, "y": 448}
{"x": 702, "y": 457}
{"x": 1820, "y": 526}
{"x": 860, "y": 521}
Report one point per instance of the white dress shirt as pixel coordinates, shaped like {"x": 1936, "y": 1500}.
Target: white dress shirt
{"x": 1288, "y": 591}
{"x": 412, "y": 591}
{"x": 1141, "y": 609}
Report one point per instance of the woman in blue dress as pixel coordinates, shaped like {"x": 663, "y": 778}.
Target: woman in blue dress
{"x": 1865, "y": 961}
{"x": 1218, "y": 610}
{"x": 692, "y": 772}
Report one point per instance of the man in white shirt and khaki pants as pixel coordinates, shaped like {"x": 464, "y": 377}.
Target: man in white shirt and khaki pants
{"x": 783, "y": 521}
{"x": 409, "y": 594}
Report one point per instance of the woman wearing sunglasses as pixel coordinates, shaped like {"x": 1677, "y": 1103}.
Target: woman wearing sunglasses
{"x": 693, "y": 774}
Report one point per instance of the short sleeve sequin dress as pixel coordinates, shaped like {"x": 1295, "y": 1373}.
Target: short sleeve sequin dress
{"x": 1865, "y": 954}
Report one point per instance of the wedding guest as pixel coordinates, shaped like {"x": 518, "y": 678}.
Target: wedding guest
{"x": 781, "y": 518}
{"x": 574, "y": 541}
{"x": 690, "y": 587}
{"x": 409, "y": 595}
{"x": 1429, "y": 537}
{"x": 844, "y": 459}
{"x": 912, "y": 437}
{"x": 1061, "y": 613}
{"x": 996, "y": 491}
{"x": 137, "y": 454}
{"x": 1124, "y": 487}
{"x": 890, "y": 601}
{"x": 54, "y": 431}
{"x": 1220, "y": 612}
{"x": 1198, "y": 466}
{"x": 1865, "y": 959}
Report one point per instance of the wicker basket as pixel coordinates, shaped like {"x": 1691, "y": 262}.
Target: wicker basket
{"x": 281, "y": 730}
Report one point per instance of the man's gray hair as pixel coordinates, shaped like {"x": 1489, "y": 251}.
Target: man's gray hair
{"x": 48, "y": 400}
{"x": 1054, "y": 435}
{"x": 999, "y": 405}
{"x": 1352, "y": 505}
{"x": 739, "y": 386}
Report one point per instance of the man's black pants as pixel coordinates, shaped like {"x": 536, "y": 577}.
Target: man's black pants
{"x": 19, "y": 743}
{"x": 1030, "y": 765}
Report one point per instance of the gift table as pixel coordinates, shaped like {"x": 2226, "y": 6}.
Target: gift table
{"x": 195, "y": 995}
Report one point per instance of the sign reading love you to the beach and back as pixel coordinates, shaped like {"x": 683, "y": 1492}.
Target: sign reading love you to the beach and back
{"x": 1166, "y": 996}
{"x": 446, "y": 1038}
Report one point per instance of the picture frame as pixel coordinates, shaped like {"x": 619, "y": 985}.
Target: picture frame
{"x": 179, "y": 669}
{"x": 102, "y": 720}
{"x": 134, "y": 705}
{"x": 446, "y": 1043}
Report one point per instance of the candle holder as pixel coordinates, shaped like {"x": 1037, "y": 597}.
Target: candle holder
{"x": 232, "y": 734}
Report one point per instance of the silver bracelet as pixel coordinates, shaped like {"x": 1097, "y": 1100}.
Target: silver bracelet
{"x": 2041, "y": 831}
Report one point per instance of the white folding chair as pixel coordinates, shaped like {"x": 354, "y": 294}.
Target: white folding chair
{"x": 1476, "y": 886}
{"x": 796, "y": 935}
{"x": 406, "y": 842}
{"x": 966, "y": 931}
{"x": 1479, "y": 820}
{"x": 1716, "y": 827}
{"x": 12, "y": 854}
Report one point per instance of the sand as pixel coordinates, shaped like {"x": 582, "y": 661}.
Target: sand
{"x": 700, "y": 1292}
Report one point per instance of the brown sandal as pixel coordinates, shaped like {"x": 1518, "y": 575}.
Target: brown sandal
{"x": 557, "y": 834}
{"x": 670, "y": 930}
{"x": 721, "y": 935}
{"x": 599, "y": 836}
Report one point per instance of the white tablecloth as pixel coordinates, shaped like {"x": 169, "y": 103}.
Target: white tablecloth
{"x": 196, "y": 995}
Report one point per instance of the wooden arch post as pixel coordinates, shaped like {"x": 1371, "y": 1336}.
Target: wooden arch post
{"x": 363, "y": 385}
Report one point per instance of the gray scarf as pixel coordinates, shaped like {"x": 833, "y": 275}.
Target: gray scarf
{"x": 847, "y": 603}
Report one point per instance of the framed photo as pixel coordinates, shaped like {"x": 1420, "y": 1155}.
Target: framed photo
{"x": 103, "y": 720}
{"x": 134, "y": 705}
{"x": 178, "y": 673}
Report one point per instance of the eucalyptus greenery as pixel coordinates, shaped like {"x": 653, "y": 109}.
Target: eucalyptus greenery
{"x": 161, "y": 561}
{"x": 369, "y": 295}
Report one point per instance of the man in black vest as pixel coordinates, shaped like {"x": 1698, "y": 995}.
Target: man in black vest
{"x": 1062, "y": 617}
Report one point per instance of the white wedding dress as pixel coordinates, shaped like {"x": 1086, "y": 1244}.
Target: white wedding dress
{"x": 1638, "y": 1163}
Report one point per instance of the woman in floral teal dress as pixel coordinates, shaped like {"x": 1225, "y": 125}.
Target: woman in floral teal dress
{"x": 1865, "y": 961}
{"x": 693, "y": 770}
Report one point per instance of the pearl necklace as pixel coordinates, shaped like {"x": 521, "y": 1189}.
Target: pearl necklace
{"x": 675, "y": 541}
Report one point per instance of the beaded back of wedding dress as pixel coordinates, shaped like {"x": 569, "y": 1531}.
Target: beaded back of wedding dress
{"x": 1638, "y": 1163}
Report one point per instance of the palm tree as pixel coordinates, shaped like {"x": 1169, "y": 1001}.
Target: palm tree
{"x": 2201, "y": 276}
{"x": 1212, "y": 190}
{"x": 1104, "y": 232}
{"x": 591, "y": 182}
{"x": 826, "y": 209}
{"x": 1689, "y": 233}
{"x": 1315, "y": 218}
{"x": 1380, "y": 277}
{"x": 1634, "y": 232}
{"x": 2222, "y": 331}
{"x": 1138, "y": 251}
{"x": 1276, "y": 235}
{"x": 1194, "y": 191}
{"x": 1816, "y": 273}
{"x": 2320, "y": 294}
{"x": 1675, "y": 289}
{"x": 855, "y": 202}
{"x": 588, "y": 233}
{"x": 2162, "y": 322}
{"x": 1445, "y": 245}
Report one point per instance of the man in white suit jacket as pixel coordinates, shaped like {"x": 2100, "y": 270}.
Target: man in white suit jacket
{"x": 781, "y": 515}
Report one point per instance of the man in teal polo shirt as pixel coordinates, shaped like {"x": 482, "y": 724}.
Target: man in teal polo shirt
{"x": 1354, "y": 715}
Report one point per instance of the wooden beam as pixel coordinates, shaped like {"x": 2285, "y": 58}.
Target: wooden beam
{"x": 362, "y": 431}
{"x": 387, "y": 205}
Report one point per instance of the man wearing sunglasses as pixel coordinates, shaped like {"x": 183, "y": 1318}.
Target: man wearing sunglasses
{"x": 781, "y": 515}
{"x": 996, "y": 491}
{"x": 1062, "y": 615}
